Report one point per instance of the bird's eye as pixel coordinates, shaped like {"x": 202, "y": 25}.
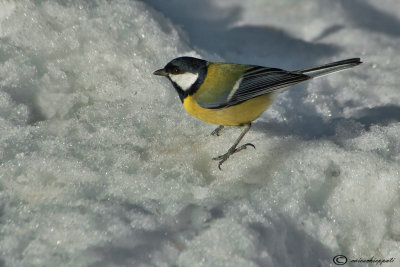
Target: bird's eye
{"x": 175, "y": 70}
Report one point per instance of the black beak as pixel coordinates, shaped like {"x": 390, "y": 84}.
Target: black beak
{"x": 160, "y": 72}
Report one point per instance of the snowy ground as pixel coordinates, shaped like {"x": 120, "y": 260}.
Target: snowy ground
{"x": 101, "y": 166}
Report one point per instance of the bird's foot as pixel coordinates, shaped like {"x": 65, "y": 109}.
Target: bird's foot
{"x": 230, "y": 152}
{"x": 217, "y": 131}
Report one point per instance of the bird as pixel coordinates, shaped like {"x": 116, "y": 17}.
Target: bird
{"x": 230, "y": 94}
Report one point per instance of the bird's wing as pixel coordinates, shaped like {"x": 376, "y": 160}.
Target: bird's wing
{"x": 218, "y": 83}
{"x": 255, "y": 81}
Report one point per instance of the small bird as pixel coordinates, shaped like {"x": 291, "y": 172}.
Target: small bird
{"x": 228, "y": 94}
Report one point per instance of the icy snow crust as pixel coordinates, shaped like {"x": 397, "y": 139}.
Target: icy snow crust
{"x": 100, "y": 165}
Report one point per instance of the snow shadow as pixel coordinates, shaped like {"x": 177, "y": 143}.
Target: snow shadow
{"x": 211, "y": 31}
{"x": 280, "y": 238}
{"x": 368, "y": 17}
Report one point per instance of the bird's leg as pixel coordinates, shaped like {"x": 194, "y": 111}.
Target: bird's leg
{"x": 234, "y": 148}
{"x": 216, "y": 131}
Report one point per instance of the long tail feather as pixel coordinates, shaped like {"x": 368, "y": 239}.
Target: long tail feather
{"x": 331, "y": 67}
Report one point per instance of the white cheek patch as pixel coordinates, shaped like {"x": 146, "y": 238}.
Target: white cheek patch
{"x": 184, "y": 80}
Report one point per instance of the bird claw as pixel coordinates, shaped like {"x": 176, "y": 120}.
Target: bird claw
{"x": 217, "y": 131}
{"x": 230, "y": 152}
{"x": 245, "y": 145}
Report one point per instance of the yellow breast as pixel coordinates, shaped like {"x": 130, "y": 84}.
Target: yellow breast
{"x": 230, "y": 116}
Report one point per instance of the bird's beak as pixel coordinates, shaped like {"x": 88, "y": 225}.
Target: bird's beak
{"x": 160, "y": 72}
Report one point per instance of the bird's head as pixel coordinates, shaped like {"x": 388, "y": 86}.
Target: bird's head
{"x": 185, "y": 73}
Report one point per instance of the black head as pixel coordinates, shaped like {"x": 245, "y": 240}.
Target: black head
{"x": 185, "y": 73}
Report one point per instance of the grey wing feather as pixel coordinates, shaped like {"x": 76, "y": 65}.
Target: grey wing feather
{"x": 258, "y": 81}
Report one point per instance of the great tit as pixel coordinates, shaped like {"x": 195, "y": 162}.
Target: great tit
{"x": 229, "y": 94}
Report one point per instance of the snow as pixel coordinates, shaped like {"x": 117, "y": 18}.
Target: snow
{"x": 100, "y": 165}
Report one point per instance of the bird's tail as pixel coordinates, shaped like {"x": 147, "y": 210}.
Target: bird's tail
{"x": 331, "y": 67}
